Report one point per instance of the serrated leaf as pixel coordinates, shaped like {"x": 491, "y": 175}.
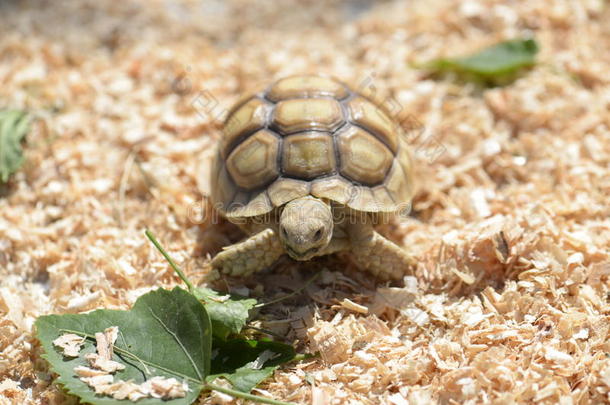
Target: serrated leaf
{"x": 228, "y": 313}
{"x": 13, "y": 127}
{"x": 166, "y": 333}
{"x": 496, "y": 62}
{"x": 246, "y": 363}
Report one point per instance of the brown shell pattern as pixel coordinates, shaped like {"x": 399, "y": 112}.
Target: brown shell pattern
{"x": 310, "y": 135}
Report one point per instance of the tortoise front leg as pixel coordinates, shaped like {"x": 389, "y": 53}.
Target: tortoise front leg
{"x": 378, "y": 255}
{"x": 255, "y": 253}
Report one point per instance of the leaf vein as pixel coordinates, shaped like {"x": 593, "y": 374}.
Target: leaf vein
{"x": 188, "y": 355}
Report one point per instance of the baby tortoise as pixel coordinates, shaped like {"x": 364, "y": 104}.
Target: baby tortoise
{"x": 308, "y": 167}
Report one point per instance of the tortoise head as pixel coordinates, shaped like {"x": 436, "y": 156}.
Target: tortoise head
{"x": 306, "y": 227}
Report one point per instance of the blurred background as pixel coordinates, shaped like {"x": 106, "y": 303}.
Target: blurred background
{"x": 510, "y": 102}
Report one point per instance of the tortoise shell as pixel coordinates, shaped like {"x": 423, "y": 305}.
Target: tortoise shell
{"x": 310, "y": 135}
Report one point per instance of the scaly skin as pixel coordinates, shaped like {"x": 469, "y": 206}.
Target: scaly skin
{"x": 255, "y": 253}
{"x": 371, "y": 251}
{"x": 378, "y": 255}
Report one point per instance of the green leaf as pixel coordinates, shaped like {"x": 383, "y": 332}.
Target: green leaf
{"x": 245, "y": 363}
{"x": 13, "y": 127}
{"x": 166, "y": 333}
{"x": 228, "y": 313}
{"x": 496, "y": 62}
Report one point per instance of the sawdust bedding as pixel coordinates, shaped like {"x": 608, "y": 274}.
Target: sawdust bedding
{"x": 509, "y": 302}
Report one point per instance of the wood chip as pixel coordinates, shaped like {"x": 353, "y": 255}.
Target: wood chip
{"x": 508, "y": 302}
{"x": 352, "y": 306}
{"x": 70, "y": 344}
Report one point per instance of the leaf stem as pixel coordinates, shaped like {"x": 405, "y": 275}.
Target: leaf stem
{"x": 304, "y": 356}
{"x": 245, "y": 395}
{"x": 292, "y": 294}
{"x": 174, "y": 266}
{"x": 267, "y": 332}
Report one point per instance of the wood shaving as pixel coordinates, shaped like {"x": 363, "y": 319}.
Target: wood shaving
{"x": 102, "y": 359}
{"x": 352, "y": 306}
{"x": 70, "y": 344}
{"x": 99, "y": 375}
{"x": 101, "y": 363}
{"x": 100, "y": 383}
{"x": 164, "y": 388}
{"x": 155, "y": 387}
{"x": 105, "y": 342}
{"x": 83, "y": 371}
{"x": 510, "y": 224}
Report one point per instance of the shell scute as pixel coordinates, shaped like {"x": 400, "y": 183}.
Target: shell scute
{"x": 310, "y": 135}
{"x": 284, "y": 189}
{"x": 253, "y": 163}
{"x": 363, "y": 157}
{"x": 308, "y": 155}
{"x": 306, "y": 86}
{"x": 367, "y": 115}
{"x": 334, "y": 188}
{"x": 247, "y": 119}
{"x": 303, "y": 114}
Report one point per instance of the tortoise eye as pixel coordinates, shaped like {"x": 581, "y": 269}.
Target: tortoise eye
{"x": 317, "y": 235}
{"x": 284, "y": 232}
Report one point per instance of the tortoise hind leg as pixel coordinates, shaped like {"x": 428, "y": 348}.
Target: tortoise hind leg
{"x": 378, "y": 255}
{"x": 253, "y": 254}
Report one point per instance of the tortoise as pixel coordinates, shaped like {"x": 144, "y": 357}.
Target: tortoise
{"x": 308, "y": 167}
